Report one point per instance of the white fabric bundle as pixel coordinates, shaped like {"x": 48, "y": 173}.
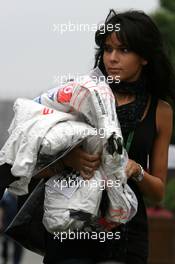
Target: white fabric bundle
{"x": 29, "y": 127}
{"x": 65, "y": 116}
{"x": 97, "y": 104}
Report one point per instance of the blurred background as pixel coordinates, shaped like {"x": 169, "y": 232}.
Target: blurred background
{"x": 35, "y": 52}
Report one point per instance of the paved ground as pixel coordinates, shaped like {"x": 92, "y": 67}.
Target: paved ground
{"x": 31, "y": 258}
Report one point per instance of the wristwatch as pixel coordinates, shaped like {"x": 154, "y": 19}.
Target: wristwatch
{"x": 139, "y": 177}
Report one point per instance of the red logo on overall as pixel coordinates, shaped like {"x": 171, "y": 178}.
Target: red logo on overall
{"x": 47, "y": 111}
{"x": 64, "y": 94}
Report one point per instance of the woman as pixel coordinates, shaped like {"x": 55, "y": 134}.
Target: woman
{"x": 136, "y": 54}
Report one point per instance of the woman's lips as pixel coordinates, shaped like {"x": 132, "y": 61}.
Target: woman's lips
{"x": 114, "y": 70}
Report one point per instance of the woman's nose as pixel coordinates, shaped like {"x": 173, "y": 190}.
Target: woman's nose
{"x": 114, "y": 56}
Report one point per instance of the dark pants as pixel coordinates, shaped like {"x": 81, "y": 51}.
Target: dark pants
{"x": 84, "y": 261}
{"x": 131, "y": 259}
{"x": 17, "y": 251}
{"x": 90, "y": 252}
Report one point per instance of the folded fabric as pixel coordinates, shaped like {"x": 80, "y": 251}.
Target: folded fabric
{"x": 77, "y": 111}
{"x": 97, "y": 104}
{"x": 30, "y": 125}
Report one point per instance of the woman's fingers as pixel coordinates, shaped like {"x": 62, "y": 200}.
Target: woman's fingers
{"x": 132, "y": 168}
{"x": 91, "y": 157}
{"x": 86, "y": 175}
{"x": 91, "y": 161}
{"x": 91, "y": 165}
{"x": 81, "y": 160}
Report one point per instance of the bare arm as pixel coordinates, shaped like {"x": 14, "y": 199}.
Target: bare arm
{"x": 153, "y": 183}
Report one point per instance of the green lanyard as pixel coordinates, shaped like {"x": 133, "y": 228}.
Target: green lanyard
{"x": 129, "y": 141}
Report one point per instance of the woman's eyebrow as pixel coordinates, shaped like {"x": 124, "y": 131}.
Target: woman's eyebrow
{"x": 117, "y": 46}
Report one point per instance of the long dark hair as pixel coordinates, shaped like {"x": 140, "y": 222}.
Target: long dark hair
{"x": 140, "y": 34}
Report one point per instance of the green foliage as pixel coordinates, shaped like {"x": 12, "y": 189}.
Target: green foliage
{"x": 164, "y": 18}
{"x": 168, "y": 4}
{"x": 165, "y": 21}
{"x": 169, "y": 200}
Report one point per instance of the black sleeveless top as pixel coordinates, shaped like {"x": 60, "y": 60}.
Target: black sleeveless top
{"x": 134, "y": 234}
{"x": 141, "y": 147}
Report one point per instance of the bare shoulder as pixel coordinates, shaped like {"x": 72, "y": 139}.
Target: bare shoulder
{"x": 164, "y": 108}
{"x": 164, "y": 115}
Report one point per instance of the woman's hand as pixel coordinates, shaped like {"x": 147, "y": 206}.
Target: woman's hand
{"x": 80, "y": 160}
{"x": 132, "y": 168}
